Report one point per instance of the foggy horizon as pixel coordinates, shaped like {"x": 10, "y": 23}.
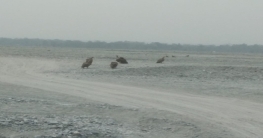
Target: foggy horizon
{"x": 185, "y": 22}
{"x": 196, "y": 44}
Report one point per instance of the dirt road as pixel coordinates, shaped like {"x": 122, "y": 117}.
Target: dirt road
{"x": 243, "y": 118}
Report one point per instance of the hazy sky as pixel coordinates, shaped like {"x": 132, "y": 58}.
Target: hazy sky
{"x": 167, "y": 21}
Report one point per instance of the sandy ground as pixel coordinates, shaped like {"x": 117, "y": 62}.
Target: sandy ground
{"x": 45, "y": 93}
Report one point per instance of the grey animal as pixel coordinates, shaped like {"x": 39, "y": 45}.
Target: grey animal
{"x": 87, "y": 63}
{"x": 160, "y": 60}
{"x": 113, "y": 65}
{"x": 187, "y": 55}
{"x": 121, "y": 60}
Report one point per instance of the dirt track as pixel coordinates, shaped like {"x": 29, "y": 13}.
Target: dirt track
{"x": 233, "y": 117}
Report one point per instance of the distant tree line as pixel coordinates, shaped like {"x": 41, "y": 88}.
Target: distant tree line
{"x": 241, "y": 48}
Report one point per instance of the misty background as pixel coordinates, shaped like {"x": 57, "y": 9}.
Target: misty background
{"x": 236, "y": 48}
{"x": 172, "y": 24}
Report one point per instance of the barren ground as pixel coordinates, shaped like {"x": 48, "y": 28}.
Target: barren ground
{"x": 45, "y": 93}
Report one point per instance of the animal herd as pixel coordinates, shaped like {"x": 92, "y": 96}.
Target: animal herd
{"x": 120, "y": 60}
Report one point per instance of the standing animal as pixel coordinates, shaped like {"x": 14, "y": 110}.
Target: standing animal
{"x": 160, "y": 60}
{"x": 121, "y": 60}
{"x": 87, "y": 63}
{"x": 113, "y": 65}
